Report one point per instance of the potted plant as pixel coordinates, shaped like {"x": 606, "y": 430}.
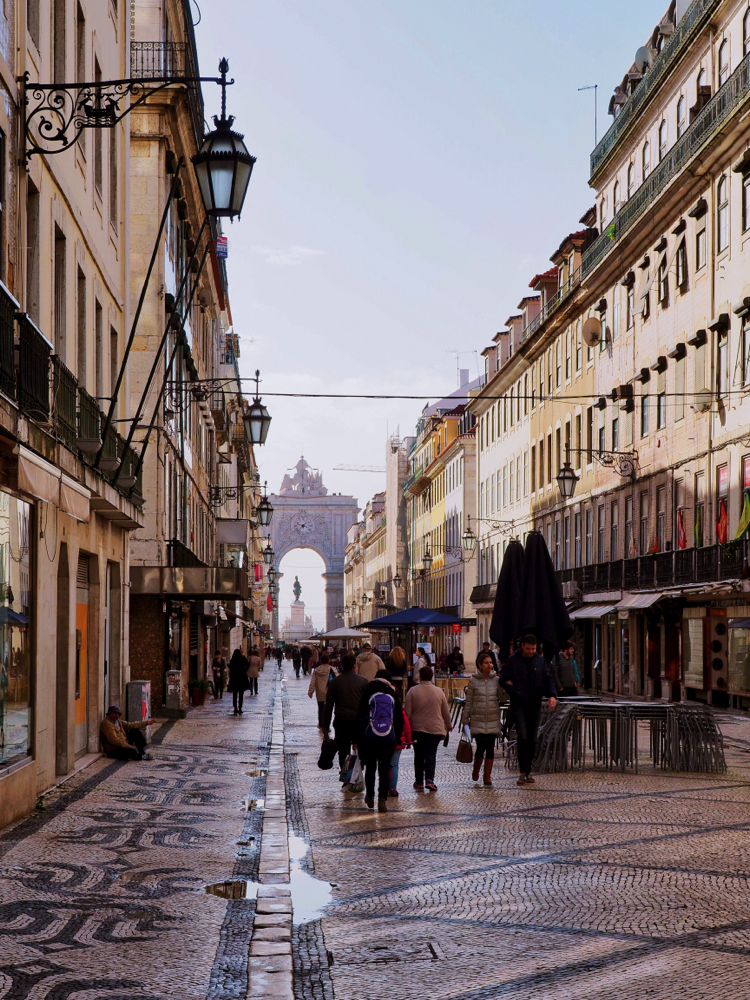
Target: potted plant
{"x": 198, "y": 691}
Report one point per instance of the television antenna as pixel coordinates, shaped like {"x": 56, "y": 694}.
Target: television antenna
{"x": 595, "y": 88}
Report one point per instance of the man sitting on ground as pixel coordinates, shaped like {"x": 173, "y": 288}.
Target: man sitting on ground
{"x": 123, "y": 740}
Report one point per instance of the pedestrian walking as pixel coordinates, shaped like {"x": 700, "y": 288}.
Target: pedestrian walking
{"x": 253, "y": 670}
{"x": 305, "y": 653}
{"x": 238, "y": 682}
{"x": 456, "y": 661}
{"x": 422, "y": 660}
{"x": 427, "y": 710}
{"x": 319, "y": 686}
{"x": 565, "y": 671}
{"x": 296, "y": 661}
{"x": 526, "y": 677}
{"x": 218, "y": 666}
{"x": 368, "y": 663}
{"x": 485, "y": 650}
{"x": 380, "y": 725}
{"x": 279, "y": 656}
{"x": 403, "y": 744}
{"x": 482, "y": 715}
{"x": 343, "y": 699}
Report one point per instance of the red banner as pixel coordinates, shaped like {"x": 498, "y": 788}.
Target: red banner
{"x": 269, "y": 603}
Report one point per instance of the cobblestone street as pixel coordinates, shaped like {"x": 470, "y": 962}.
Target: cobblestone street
{"x": 598, "y": 884}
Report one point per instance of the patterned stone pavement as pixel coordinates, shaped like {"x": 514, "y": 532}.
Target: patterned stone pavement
{"x": 595, "y": 885}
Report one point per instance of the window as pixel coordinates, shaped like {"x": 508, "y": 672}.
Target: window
{"x": 541, "y": 381}
{"x": 541, "y": 463}
{"x": 16, "y": 720}
{"x": 615, "y": 314}
{"x": 602, "y": 214}
{"x": 663, "y": 283}
{"x": 723, "y": 62}
{"x": 601, "y": 555}
{"x": 616, "y": 198}
{"x": 679, "y": 388}
{"x": 518, "y": 478}
{"x": 32, "y": 252}
{"x": 662, "y": 140}
{"x": 567, "y": 357}
{"x": 505, "y": 486}
{"x": 577, "y": 537}
{"x": 629, "y": 537}
{"x": 113, "y": 177}
{"x": 722, "y": 226}
{"x": 579, "y": 441}
{"x": 700, "y": 503}
{"x": 679, "y": 541}
{"x": 518, "y": 403}
{"x": 98, "y": 153}
{"x": 700, "y": 247}
{"x": 722, "y": 502}
{"x": 558, "y": 364}
{"x": 630, "y": 309}
{"x": 661, "y": 518}
{"x": 98, "y": 353}
{"x": 661, "y": 411}
{"x": 646, "y": 159}
{"x": 745, "y": 348}
{"x": 58, "y": 40}
{"x": 60, "y": 305}
{"x": 681, "y": 272}
{"x": 745, "y": 202}
{"x": 631, "y": 180}
{"x": 614, "y": 527}
{"x": 525, "y": 395}
{"x": 533, "y": 388}
{"x": 590, "y": 434}
{"x": 681, "y": 116}
{"x": 602, "y": 440}
{"x": 615, "y": 434}
{"x": 644, "y": 416}
{"x": 589, "y": 540}
{"x": 566, "y": 541}
{"x": 549, "y": 459}
{"x": 533, "y": 468}
{"x": 32, "y": 20}
{"x": 746, "y": 34}
{"x": 557, "y": 543}
{"x": 578, "y": 347}
{"x": 643, "y": 535}
{"x": 81, "y": 328}
{"x": 526, "y": 473}
{"x": 558, "y": 450}
{"x": 492, "y": 494}
{"x": 512, "y": 481}
{"x": 722, "y": 364}
{"x": 512, "y": 409}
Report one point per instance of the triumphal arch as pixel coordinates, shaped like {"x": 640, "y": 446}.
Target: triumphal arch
{"x": 307, "y": 516}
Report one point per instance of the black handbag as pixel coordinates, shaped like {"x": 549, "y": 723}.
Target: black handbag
{"x": 327, "y": 754}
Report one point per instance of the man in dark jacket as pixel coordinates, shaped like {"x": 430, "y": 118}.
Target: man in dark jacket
{"x": 376, "y": 751}
{"x": 305, "y": 654}
{"x": 565, "y": 671}
{"x": 486, "y": 651}
{"x": 526, "y": 677}
{"x": 344, "y": 694}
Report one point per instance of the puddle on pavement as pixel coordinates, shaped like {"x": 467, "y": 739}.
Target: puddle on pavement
{"x": 233, "y": 889}
{"x": 310, "y": 896}
{"x": 248, "y": 805}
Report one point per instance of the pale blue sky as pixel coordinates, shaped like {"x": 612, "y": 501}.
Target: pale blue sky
{"x": 418, "y": 162}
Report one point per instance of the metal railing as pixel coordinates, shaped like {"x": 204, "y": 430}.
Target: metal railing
{"x": 695, "y": 18}
{"x": 89, "y": 420}
{"x": 706, "y": 124}
{"x": 552, "y": 304}
{"x": 180, "y": 555}
{"x": 170, "y": 60}
{"x": 64, "y": 395}
{"x": 8, "y": 307}
{"x": 33, "y": 370}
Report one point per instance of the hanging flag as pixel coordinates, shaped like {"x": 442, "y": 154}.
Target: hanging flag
{"x": 698, "y": 527}
{"x": 655, "y": 545}
{"x": 257, "y": 573}
{"x": 721, "y": 523}
{"x": 269, "y": 603}
{"x": 744, "y": 518}
{"x": 222, "y": 247}
{"x": 681, "y": 538}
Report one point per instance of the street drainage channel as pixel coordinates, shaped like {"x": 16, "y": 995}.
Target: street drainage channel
{"x": 310, "y": 896}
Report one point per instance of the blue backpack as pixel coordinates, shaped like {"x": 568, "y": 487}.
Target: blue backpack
{"x": 382, "y": 706}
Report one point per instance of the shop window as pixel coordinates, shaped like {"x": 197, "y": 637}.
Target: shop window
{"x": 738, "y": 658}
{"x": 15, "y": 624}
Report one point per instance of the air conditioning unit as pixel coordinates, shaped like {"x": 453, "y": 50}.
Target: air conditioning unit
{"x": 570, "y": 590}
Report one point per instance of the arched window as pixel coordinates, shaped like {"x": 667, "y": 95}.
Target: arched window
{"x": 722, "y": 227}
{"x": 646, "y": 159}
{"x": 723, "y": 62}
{"x": 746, "y": 34}
{"x": 631, "y": 180}
{"x": 662, "y": 140}
{"x": 681, "y": 116}
{"x": 602, "y": 215}
{"x": 702, "y": 77}
{"x": 616, "y": 197}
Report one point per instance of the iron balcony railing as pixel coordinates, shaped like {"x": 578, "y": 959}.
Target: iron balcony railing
{"x": 64, "y": 394}
{"x": 89, "y": 421}
{"x": 706, "y": 125}
{"x": 33, "y": 370}
{"x": 8, "y": 308}
{"x": 724, "y": 561}
{"x": 180, "y": 555}
{"x": 552, "y": 304}
{"x": 698, "y": 14}
{"x": 170, "y": 60}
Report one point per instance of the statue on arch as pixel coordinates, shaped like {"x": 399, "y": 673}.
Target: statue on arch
{"x": 297, "y": 588}
{"x": 306, "y": 481}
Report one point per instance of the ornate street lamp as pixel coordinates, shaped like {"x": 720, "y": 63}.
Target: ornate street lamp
{"x": 397, "y": 580}
{"x": 265, "y": 509}
{"x": 257, "y": 418}
{"x": 469, "y": 539}
{"x": 268, "y": 553}
{"x": 427, "y": 559}
{"x": 566, "y": 481}
{"x": 223, "y": 164}
{"x": 272, "y": 574}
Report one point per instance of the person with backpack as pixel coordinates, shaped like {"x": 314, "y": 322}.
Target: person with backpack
{"x": 380, "y": 725}
{"x": 427, "y": 710}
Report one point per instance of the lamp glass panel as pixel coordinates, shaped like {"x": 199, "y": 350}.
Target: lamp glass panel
{"x": 222, "y": 174}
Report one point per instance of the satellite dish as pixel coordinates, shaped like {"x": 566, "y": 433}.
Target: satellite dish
{"x": 592, "y": 331}
{"x": 642, "y": 59}
{"x": 702, "y": 400}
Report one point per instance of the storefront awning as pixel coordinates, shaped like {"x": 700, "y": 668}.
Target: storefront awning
{"x": 739, "y": 623}
{"x": 45, "y": 481}
{"x": 592, "y": 611}
{"x": 633, "y": 601}
{"x": 204, "y": 582}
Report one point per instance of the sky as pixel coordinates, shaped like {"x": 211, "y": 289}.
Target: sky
{"x": 417, "y": 163}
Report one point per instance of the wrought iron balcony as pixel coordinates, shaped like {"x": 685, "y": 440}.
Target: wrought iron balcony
{"x": 696, "y": 17}
{"x": 723, "y": 104}
{"x": 8, "y": 307}
{"x": 34, "y": 352}
{"x": 180, "y": 555}
{"x": 64, "y": 393}
{"x": 89, "y": 422}
{"x": 552, "y": 304}
{"x": 170, "y": 60}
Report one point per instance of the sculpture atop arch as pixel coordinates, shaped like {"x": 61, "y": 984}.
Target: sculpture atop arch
{"x": 306, "y": 516}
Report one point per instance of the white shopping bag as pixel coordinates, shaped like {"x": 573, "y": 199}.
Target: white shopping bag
{"x": 357, "y": 782}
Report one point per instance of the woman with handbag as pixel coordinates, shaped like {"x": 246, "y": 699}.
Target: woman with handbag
{"x": 482, "y": 715}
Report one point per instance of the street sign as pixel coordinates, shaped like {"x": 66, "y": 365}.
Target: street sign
{"x": 222, "y": 247}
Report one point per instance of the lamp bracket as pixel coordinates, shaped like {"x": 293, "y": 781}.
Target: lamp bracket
{"x": 57, "y": 113}
{"x": 624, "y": 463}
{"x": 218, "y": 495}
